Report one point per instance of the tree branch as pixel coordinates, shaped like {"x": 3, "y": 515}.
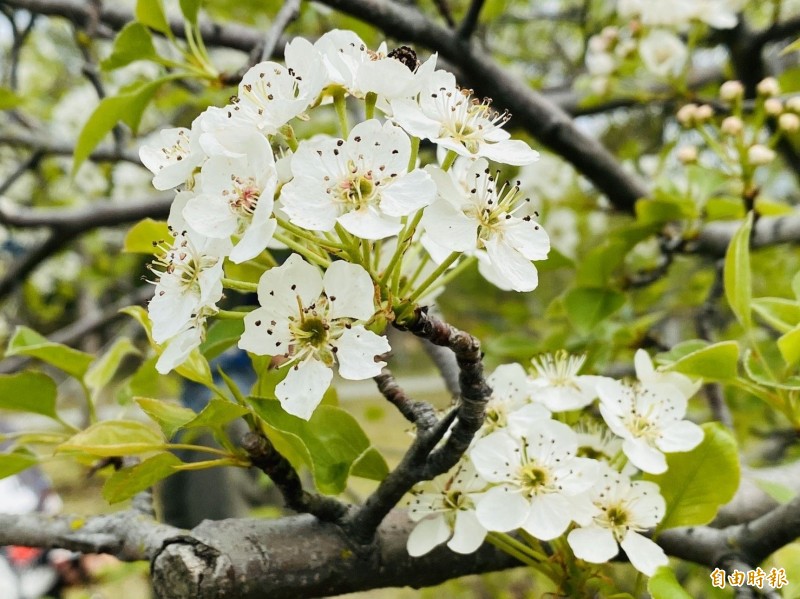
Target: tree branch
{"x": 419, "y": 413}
{"x": 713, "y": 238}
{"x": 52, "y": 147}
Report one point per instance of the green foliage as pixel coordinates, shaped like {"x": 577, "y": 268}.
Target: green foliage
{"x": 715, "y": 362}
{"x": 587, "y": 307}
{"x": 699, "y": 481}
{"x": 144, "y": 235}
{"x": 115, "y": 438}
{"x": 331, "y": 444}
{"x": 28, "y": 391}
{"x": 132, "y": 43}
{"x": 169, "y": 416}
{"x": 127, "y": 482}
{"x": 738, "y": 276}
{"x": 27, "y": 342}
{"x": 15, "y": 462}
{"x": 9, "y": 99}
{"x": 190, "y": 10}
{"x": 664, "y": 585}
{"x": 151, "y": 13}
{"x": 103, "y": 369}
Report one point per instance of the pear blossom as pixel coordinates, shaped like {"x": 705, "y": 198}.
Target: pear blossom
{"x": 649, "y": 418}
{"x": 173, "y": 158}
{"x": 360, "y": 183}
{"x": 557, "y": 384}
{"x": 444, "y": 510}
{"x": 234, "y": 196}
{"x": 314, "y": 321}
{"x": 475, "y": 214}
{"x": 509, "y": 404}
{"x": 360, "y": 70}
{"x": 450, "y": 117}
{"x": 270, "y": 94}
{"x": 540, "y": 483}
{"x": 189, "y": 273}
{"x": 177, "y": 348}
{"x": 663, "y": 53}
{"x": 647, "y": 373}
{"x": 625, "y": 509}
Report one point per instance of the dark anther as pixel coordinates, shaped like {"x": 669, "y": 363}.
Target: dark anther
{"x": 405, "y": 55}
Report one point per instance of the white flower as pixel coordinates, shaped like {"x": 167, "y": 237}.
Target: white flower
{"x": 450, "y": 117}
{"x": 173, "y": 158}
{"x": 314, "y": 321}
{"x": 474, "y": 213}
{"x": 360, "y": 70}
{"x": 558, "y": 385}
{"x": 270, "y": 94}
{"x": 663, "y": 53}
{"x": 540, "y": 484}
{"x": 189, "y": 281}
{"x": 648, "y": 417}
{"x": 361, "y": 183}
{"x": 625, "y": 509}
{"x": 646, "y": 373}
{"x": 511, "y": 393}
{"x": 444, "y": 510}
{"x": 178, "y": 347}
{"x": 235, "y": 197}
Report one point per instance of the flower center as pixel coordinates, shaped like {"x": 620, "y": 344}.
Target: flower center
{"x": 358, "y": 189}
{"x": 457, "y": 500}
{"x": 533, "y": 479}
{"x": 313, "y": 331}
{"x": 245, "y": 196}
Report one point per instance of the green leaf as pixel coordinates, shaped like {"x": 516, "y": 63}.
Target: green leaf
{"x": 779, "y": 492}
{"x": 649, "y": 211}
{"x": 717, "y": 362}
{"x": 220, "y": 336}
{"x": 597, "y": 268}
{"x": 132, "y": 43}
{"x": 28, "y": 391}
{"x": 139, "y": 314}
{"x": 699, "y": 481}
{"x": 127, "y": 482}
{"x": 169, "y": 416}
{"x": 759, "y": 373}
{"x": 789, "y": 346}
{"x": 102, "y": 370}
{"x": 127, "y": 106}
{"x": 190, "y": 9}
{"x": 681, "y": 350}
{"x": 793, "y": 47}
{"x": 144, "y": 235}
{"x": 664, "y": 585}
{"x": 15, "y": 462}
{"x": 796, "y": 286}
{"x": 216, "y": 414}
{"x": 27, "y": 342}
{"x": 737, "y": 276}
{"x": 331, "y": 443}
{"x": 587, "y": 307}
{"x": 9, "y": 99}
{"x": 115, "y": 438}
{"x": 779, "y": 313}
{"x": 151, "y": 13}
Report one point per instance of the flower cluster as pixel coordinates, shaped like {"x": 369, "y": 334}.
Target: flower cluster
{"x": 527, "y": 470}
{"x": 371, "y": 227}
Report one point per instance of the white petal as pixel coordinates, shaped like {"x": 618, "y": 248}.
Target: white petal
{"x": 408, "y": 193}
{"x": 513, "y": 151}
{"x": 307, "y": 205}
{"x": 593, "y": 544}
{"x": 449, "y": 227}
{"x": 210, "y": 216}
{"x": 468, "y": 534}
{"x": 369, "y": 223}
{"x": 170, "y": 312}
{"x": 644, "y": 457}
{"x": 302, "y": 389}
{"x": 357, "y": 349}
{"x": 549, "y": 517}
{"x": 496, "y": 457}
{"x": 408, "y": 115}
{"x": 643, "y": 553}
{"x": 649, "y": 506}
{"x": 254, "y": 241}
{"x": 265, "y": 338}
{"x": 426, "y": 535}
{"x": 680, "y": 436}
{"x": 643, "y": 365}
{"x": 512, "y": 266}
{"x": 528, "y": 238}
{"x": 350, "y": 291}
{"x": 280, "y": 287}
{"x": 501, "y": 509}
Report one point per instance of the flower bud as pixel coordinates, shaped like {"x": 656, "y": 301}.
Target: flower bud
{"x": 732, "y": 126}
{"x": 703, "y": 113}
{"x": 789, "y": 122}
{"x": 759, "y": 155}
{"x": 687, "y": 154}
{"x": 773, "y": 106}
{"x": 768, "y": 87}
{"x": 686, "y": 115}
{"x": 731, "y": 91}
{"x": 793, "y": 104}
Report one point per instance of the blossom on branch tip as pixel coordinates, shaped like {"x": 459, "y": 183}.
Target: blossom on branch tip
{"x": 360, "y": 183}
{"x": 173, "y": 159}
{"x": 314, "y": 321}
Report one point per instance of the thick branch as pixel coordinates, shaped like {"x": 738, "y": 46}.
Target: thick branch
{"x": 419, "y": 413}
{"x": 49, "y": 146}
{"x": 714, "y": 238}
{"x": 543, "y": 119}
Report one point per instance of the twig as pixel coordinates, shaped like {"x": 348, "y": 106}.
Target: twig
{"x": 266, "y": 458}
{"x": 470, "y": 22}
{"x": 444, "y": 10}
{"x": 288, "y": 13}
{"x": 49, "y": 146}
{"x": 419, "y": 413}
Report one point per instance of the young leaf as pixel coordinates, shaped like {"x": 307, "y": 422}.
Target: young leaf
{"x": 127, "y": 106}
{"x": 789, "y": 346}
{"x": 217, "y": 414}
{"x": 127, "y": 482}
{"x": 102, "y": 370}
{"x": 699, "y": 481}
{"x": 143, "y": 236}
{"x": 587, "y": 307}
{"x": 190, "y": 9}
{"x": 664, "y": 585}
{"x": 170, "y": 417}
{"x": 737, "y": 275}
{"x": 220, "y": 336}
{"x": 132, "y": 43}
{"x": 28, "y": 391}
{"x": 331, "y": 443}
{"x": 15, "y": 462}
{"x": 115, "y": 438}
{"x": 9, "y": 99}
{"x": 717, "y": 362}
{"x": 27, "y": 342}
{"x": 151, "y": 13}
{"x": 779, "y": 313}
